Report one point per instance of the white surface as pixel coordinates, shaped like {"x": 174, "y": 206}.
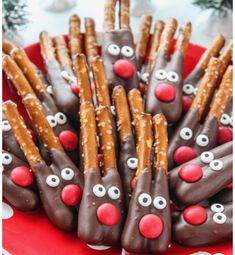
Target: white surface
{"x": 57, "y": 23}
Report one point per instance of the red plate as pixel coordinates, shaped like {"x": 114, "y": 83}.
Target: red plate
{"x": 33, "y": 234}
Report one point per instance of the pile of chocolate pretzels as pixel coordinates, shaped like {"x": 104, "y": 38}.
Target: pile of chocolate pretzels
{"x": 120, "y": 145}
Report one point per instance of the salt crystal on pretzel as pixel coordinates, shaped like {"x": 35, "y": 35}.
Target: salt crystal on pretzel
{"x": 109, "y": 15}
{"x": 7, "y": 46}
{"x": 47, "y": 49}
{"x": 74, "y": 36}
{"x": 226, "y": 56}
{"x": 184, "y": 37}
{"x": 124, "y": 14}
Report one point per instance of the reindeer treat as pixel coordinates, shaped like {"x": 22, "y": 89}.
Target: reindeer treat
{"x": 101, "y": 210}
{"x": 164, "y": 93}
{"x": 118, "y": 50}
{"x": 148, "y": 224}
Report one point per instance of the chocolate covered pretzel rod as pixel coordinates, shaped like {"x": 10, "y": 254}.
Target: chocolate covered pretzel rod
{"x": 226, "y": 56}
{"x": 7, "y": 46}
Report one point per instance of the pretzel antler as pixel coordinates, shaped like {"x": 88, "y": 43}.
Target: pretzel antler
{"x": 46, "y": 45}
{"x": 226, "y": 56}
{"x": 184, "y": 37}
{"x": 124, "y": 14}
{"x": 7, "y": 46}
{"x": 109, "y": 15}
{"x": 74, "y": 36}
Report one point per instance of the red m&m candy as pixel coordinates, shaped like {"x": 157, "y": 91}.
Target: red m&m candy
{"x": 22, "y": 176}
{"x": 190, "y": 173}
{"x": 124, "y": 69}
{"x": 224, "y": 135}
{"x": 195, "y": 215}
{"x": 108, "y": 214}
{"x": 71, "y": 194}
{"x": 165, "y": 92}
{"x": 184, "y": 154}
{"x": 69, "y": 140}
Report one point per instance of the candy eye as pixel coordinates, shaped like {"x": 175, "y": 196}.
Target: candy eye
{"x": 99, "y": 190}
{"x": 195, "y": 91}
{"x": 144, "y": 199}
{"x": 50, "y": 89}
{"x": 67, "y": 174}
{"x": 112, "y": 109}
{"x": 114, "y": 192}
{"x": 6, "y": 126}
{"x": 188, "y": 89}
{"x": 127, "y": 51}
{"x": 52, "y": 121}
{"x": 216, "y": 165}
{"x": 113, "y": 49}
{"x": 159, "y": 202}
{"x": 161, "y": 74}
{"x": 172, "y": 76}
{"x": 225, "y": 119}
{"x": 218, "y": 208}
{"x": 219, "y": 218}
{"x": 53, "y": 181}
{"x": 132, "y": 163}
{"x": 6, "y": 159}
{"x": 145, "y": 77}
{"x": 202, "y": 140}
{"x": 186, "y": 133}
{"x": 231, "y": 121}
{"x": 207, "y": 157}
{"x": 60, "y": 118}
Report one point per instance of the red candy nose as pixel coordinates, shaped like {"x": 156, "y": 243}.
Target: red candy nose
{"x": 190, "y": 173}
{"x": 124, "y": 69}
{"x": 71, "y": 194}
{"x": 195, "y": 215}
{"x": 187, "y": 101}
{"x": 224, "y": 135}
{"x": 108, "y": 214}
{"x": 230, "y": 186}
{"x": 184, "y": 154}
{"x": 74, "y": 88}
{"x": 165, "y": 92}
{"x": 150, "y": 226}
{"x": 69, "y": 140}
{"x": 22, "y": 176}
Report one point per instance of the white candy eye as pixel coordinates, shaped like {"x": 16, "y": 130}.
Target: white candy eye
{"x": 114, "y": 192}
{"x": 60, "y": 118}
{"x": 172, "y": 76}
{"x": 52, "y": 121}
{"x": 145, "y": 77}
{"x": 218, "y": 208}
{"x": 219, "y": 218}
{"x": 207, "y": 157}
{"x": 50, "y": 89}
{"x": 188, "y": 89}
{"x": 195, "y": 91}
{"x": 216, "y": 165}
{"x": 67, "y": 174}
{"x": 144, "y": 199}
{"x": 112, "y": 109}
{"x": 99, "y": 190}
{"x": 159, "y": 202}
{"x": 225, "y": 119}
{"x": 202, "y": 140}
{"x": 6, "y": 159}
{"x": 127, "y": 51}
{"x": 53, "y": 181}
{"x": 132, "y": 163}
{"x": 161, "y": 74}
{"x": 113, "y": 49}
{"x": 5, "y": 126}
{"x": 231, "y": 121}
{"x": 186, "y": 133}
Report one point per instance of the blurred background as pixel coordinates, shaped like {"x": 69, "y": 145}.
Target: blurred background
{"x": 23, "y": 20}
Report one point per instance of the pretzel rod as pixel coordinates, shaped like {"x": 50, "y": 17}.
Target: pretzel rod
{"x": 145, "y": 142}
{"x": 74, "y": 36}
{"x": 46, "y": 45}
{"x": 223, "y": 95}
{"x": 168, "y": 35}
{"x": 22, "y": 134}
{"x": 207, "y": 85}
{"x": 89, "y": 137}
{"x": 28, "y": 69}
{"x": 90, "y": 39}
{"x": 212, "y": 51}
{"x": 124, "y": 15}
{"x": 83, "y": 81}
{"x": 122, "y": 112}
{"x": 160, "y": 142}
{"x": 109, "y": 15}
{"x": 101, "y": 83}
{"x": 106, "y": 136}
{"x": 7, "y": 46}
{"x": 226, "y": 56}
{"x": 184, "y": 37}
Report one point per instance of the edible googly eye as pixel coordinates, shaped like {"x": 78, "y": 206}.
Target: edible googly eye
{"x": 53, "y": 181}
{"x": 127, "y": 51}
{"x": 113, "y": 49}
{"x": 5, "y": 126}
{"x": 6, "y": 159}
{"x": 186, "y": 133}
{"x": 60, "y": 118}
{"x": 188, "y": 89}
{"x": 231, "y": 121}
{"x": 132, "y": 163}
{"x": 216, "y": 165}
{"x": 161, "y": 74}
{"x": 219, "y": 218}
{"x": 114, "y": 192}
{"x": 99, "y": 190}
{"x": 144, "y": 199}
{"x": 172, "y": 76}
{"x": 207, "y": 157}
{"x": 218, "y": 208}
{"x": 195, "y": 91}
{"x": 145, "y": 77}
{"x": 159, "y": 202}
{"x": 52, "y": 121}
{"x": 67, "y": 174}
{"x": 50, "y": 89}
{"x": 112, "y": 109}
{"x": 202, "y": 140}
{"x": 225, "y": 119}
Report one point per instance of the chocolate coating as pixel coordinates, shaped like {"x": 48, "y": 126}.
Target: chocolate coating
{"x": 223, "y": 197}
